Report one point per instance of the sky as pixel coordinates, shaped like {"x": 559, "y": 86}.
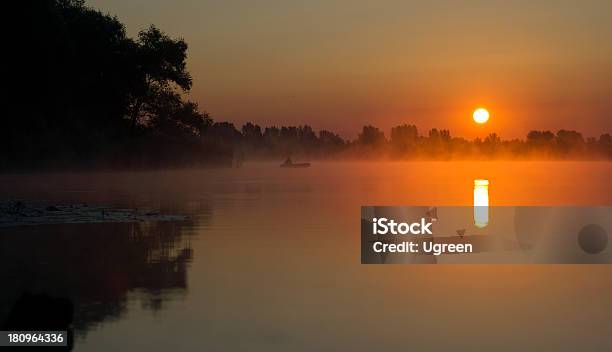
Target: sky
{"x": 339, "y": 65}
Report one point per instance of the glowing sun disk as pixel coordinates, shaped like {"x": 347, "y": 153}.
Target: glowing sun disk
{"x": 481, "y": 115}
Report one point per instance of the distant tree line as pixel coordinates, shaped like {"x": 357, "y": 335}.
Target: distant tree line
{"x": 87, "y": 94}
{"x": 405, "y": 142}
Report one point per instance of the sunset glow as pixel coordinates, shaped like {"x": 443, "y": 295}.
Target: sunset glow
{"x": 304, "y": 175}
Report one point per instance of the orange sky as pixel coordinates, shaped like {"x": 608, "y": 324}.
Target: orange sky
{"x": 341, "y": 64}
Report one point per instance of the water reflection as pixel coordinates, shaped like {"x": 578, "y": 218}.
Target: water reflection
{"x": 278, "y": 268}
{"x": 95, "y": 266}
{"x": 481, "y": 203}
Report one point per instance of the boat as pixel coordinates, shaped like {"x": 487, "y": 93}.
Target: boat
{"x": 290, "y": 164}
{"x": 296, "y": 165}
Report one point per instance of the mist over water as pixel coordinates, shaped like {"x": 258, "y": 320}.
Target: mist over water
{"x": 269, "y": 260}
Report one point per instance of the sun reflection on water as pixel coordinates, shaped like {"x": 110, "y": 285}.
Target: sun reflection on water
{"x": 481, "y": 203}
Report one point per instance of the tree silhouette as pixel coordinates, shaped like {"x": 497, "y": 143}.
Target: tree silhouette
{"x": 94, "y": 94}
{"x": 371, "y": 136}
{"x": 404, "y": 138}
{"x": 569, "y": 141}
{"x": 161, "y": 70}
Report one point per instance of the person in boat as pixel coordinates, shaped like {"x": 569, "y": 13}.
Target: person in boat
{"x": 288, "y": 161}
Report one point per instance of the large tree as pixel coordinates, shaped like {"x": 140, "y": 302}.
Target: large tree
{"x": 161, "y": 73}
{"x": 87, "y": 90}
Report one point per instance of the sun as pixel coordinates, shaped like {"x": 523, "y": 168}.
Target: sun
{"x": 481, "y": 115}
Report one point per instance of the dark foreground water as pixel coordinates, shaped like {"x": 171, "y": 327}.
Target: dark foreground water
{"x": 270, "y": 261}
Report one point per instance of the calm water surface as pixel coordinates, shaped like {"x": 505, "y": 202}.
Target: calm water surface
{"x": 269, "y": 261}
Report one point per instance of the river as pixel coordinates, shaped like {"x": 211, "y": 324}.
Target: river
{"x": 269, "y": 260}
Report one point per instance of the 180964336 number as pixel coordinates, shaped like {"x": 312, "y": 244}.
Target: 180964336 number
{"x": 33, "y": 338}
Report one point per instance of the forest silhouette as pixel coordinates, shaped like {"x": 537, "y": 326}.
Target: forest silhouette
{"x": 88, "y": 95}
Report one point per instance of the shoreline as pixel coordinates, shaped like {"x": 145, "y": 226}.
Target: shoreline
{"x": 31, "y": 213}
